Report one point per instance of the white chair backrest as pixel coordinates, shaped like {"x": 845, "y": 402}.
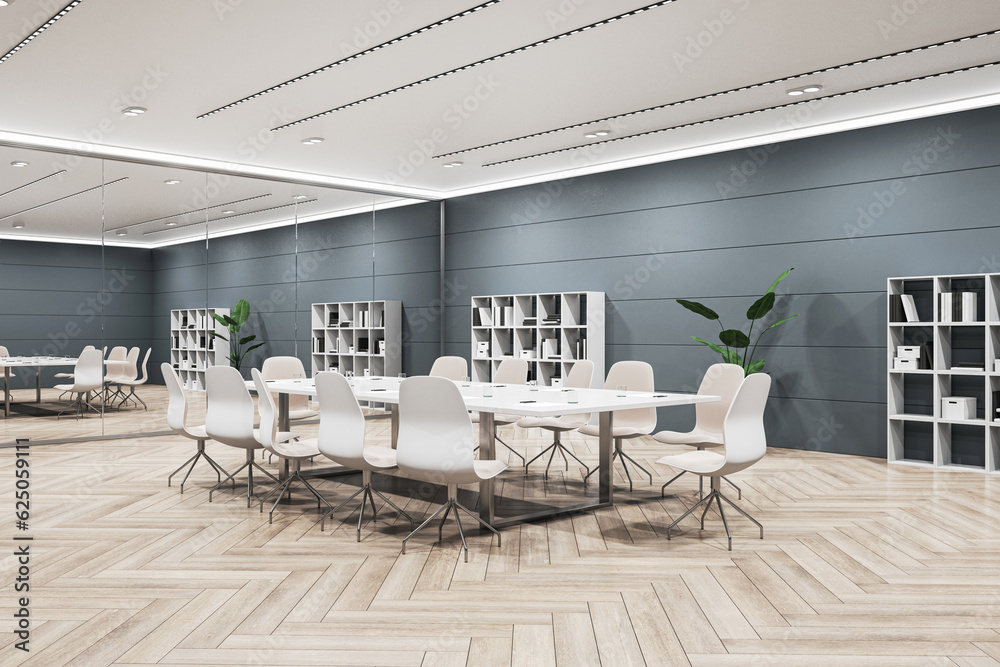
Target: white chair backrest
{"x": 130, "y": 370}
{"x": 268, "y": 413}
{"x": 744, "y": 427}
{"x": 88, "y": 347}
{"x": 230, "y": 414}
{"x": 721, "y": 380}
{"x": 511, "y": 371}
{"x": 145, "y": 360}
{"x": 453, "y": 368}
{"x": 118, "y": 353}
{"x": 580, "y": 375}
{"x": 341, "y": 422}
{"x": 435, "y": 430}
{"x": 3, "y": 351}
{"x": 637, "y": 376}
{"x": 286, "y": 368}
{"x": 177, "y": 406}
{"x": 89, "y": 372}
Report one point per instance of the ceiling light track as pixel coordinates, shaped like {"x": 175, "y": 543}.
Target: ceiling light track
{"x": 498, "y": 56}
{"x": 39, "y": 30}
{"x": 28, "y": 185}
{"x": 354, "y": 56}
{"x": 709, "y": 96}
{"x": 228, "y": 217}
{"x": 748, "y": 113}
{"x": 195, "y": 210}
{"x": 56, "y": 201}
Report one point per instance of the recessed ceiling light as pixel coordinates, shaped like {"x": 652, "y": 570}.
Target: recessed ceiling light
{"x": 121, "y": 232}
{"x": 311, "y": 141}
{"x": 812, "y": 89}
{"x": 795, "y": 92}
{"x": 449, "y": 165}
{"x": 18, "y": 225}
{"x": 171, "y": 224}
{"x": 18, "y": 163}
{"x": 3, "y": 3}
{"x": 228, "y": 212}
{"x": 172, "y": 181}
{"x": 594, "y": 134}
{"x": 801, "y": 90}
{"x": 300, "y": 197}
{"x": 133, "y": 111}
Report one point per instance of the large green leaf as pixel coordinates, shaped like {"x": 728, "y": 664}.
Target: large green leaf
{"x": 731, "y": 356}
{"x": 244, "y": 341}
{"x": 217, "y": 335}
{"x": 710, "y": 344}
{"x": 241, "y": 312}
{"x": 734, "y": 338}
{"x": 780, "y": 278}
{"x": 251, "y": 349}
{"x": 761, "y": 307}
{"x": 755, "y": 367}
{"x": 220, "y": 319}
{"x": 696, "y": 307}
{"x": 783, "y": 321}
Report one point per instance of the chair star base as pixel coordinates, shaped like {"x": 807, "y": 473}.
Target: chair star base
{"x": 446, "y": 508}
{"x": 701, "y": 481}
{"x": 625, "y": 458}
{"x": 201, "y": 453}
{"x": 366, "y": 491}
{"x": 707, "y": 502}
{"x": 286, "y": 486}
{"x": 556, "y": 446}
{"x": 79, "y": 404}
{"x": 249, "y": 465}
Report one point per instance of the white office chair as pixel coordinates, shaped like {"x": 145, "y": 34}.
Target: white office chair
{"x": 88, "y": 376}
{"x": 230, "y": 420}
{"x": 118, "y": 355}
{"x": 579, "y": 378}
{"x": 745, "y": 444}
{"x": 435, "y": 444}
{"x": 135, "y": 382}
{"x": 637, "y": 376}
{"x": 453, "y": 368}
{"x": 5, "y": 353}
{"x": 177, "y": 421}
{"x": 292, "y": 450}
{"x": 61, "y": 376}
{"x": 289, "y": 368}
{"x": 721, "y": 380}
{"x": 342, "y": 440}
{"x": 510, "y": 371}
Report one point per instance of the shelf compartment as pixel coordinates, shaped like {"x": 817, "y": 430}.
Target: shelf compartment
{"x": 962, "y": 445}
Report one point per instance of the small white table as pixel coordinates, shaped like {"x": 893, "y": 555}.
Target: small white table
{"x": 28, "y": 362}
{"x": 517, "y": 400}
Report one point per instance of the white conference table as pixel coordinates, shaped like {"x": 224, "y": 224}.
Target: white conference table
{"x": 36, "y": 363}
{"x": 516, "y": 400}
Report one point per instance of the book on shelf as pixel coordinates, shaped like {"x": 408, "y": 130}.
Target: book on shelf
{"x": 482, "y": 317}
{"x": 909, "y": 308}
{"x": 529, "y": 322}
{"x": 362, "y": 347}
{"x": 334, "y": 319}
{"x": 958, "y": 307}
{"x": 319, "y": 344}
{"x": 346, "y": 324}
{"x": 550, "y": 348}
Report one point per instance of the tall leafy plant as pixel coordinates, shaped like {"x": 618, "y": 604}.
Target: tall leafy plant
{"x": 734, "y": 340}
{"x": 234, "y": 322}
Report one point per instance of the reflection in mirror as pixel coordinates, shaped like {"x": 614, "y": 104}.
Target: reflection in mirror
{"x": 53, "y": 293}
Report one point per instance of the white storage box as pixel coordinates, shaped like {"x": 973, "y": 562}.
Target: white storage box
{"x": 958, "y": 407}
{"x": 908, "y": 351}
{"x": 905, "y": 364}
{"x": 556, "y": 382}
{"x": 528, "y": 354}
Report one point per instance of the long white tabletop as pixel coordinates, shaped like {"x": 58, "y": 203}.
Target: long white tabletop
{"x": 516, "y": 400}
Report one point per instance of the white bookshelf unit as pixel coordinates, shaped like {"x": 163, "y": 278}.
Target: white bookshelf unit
{"x": 961, "y": 365}
{"x": 551, "y": 331}
{"x": 364, "y": 337}
{"x": 192, "y": 349}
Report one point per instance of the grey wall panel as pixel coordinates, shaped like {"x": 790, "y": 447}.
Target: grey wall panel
{"x": 349, "y": 231}
{"x": 409, "y": 256}
{"x": 258, "y": 271}
{"x": 407, "y": 222}
{"x": 183, "y": 255}
{"x": 260, "y": 244}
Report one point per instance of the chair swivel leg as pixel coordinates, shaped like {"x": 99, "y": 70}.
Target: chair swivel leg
{"x": 717, "y": 496}
{"x": 512, "y": 450}
{"x": 295, "y": 475}
{"x": 366, "y": 491}
{"x": 249, "y": 465}
{"x": 563, "y": 451}
{"x": 625, "y": 457}
{"x": 452, "y": 503}
{"x": 201, "y": 453}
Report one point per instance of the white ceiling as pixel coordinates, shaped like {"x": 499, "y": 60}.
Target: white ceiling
{"x": 680, "y": 78}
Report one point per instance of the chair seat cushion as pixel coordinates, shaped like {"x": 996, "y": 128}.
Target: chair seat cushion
{"x": 498, "y": 418}
{"x": 197, "y": 432}
{"x": 566, "y": 423}
{"x": 301, "y": 413}
{"x": 616, "y": 431}
{"x": 699, "y": 461}
{"x": 381, "y": 457}
{"x": 296, "y": 449}
{"x": 63, "y": 387}
{"x": 693, "y": 437}
{"x": 489, "y": 468}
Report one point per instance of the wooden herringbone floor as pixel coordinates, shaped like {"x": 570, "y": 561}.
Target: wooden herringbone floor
{"x": 861, "y": 564}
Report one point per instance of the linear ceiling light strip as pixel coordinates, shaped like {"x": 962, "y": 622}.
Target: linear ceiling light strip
{"x": 747, "y": 113}
{"x": 498, "y": 56}
{"x": 28, "y": 185}
{"x": 355, "y": 56}
{"x": 39, "y": 30}
{"x": 197, "y": 210}
{"x": 708, "y": 96}
{"x": 228, "y": 217}
{"x": 56, "y": 201}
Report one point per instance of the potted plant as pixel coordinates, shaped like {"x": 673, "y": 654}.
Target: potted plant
{"x": 735, "y": 340}
{"x": 234, "y": 322}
